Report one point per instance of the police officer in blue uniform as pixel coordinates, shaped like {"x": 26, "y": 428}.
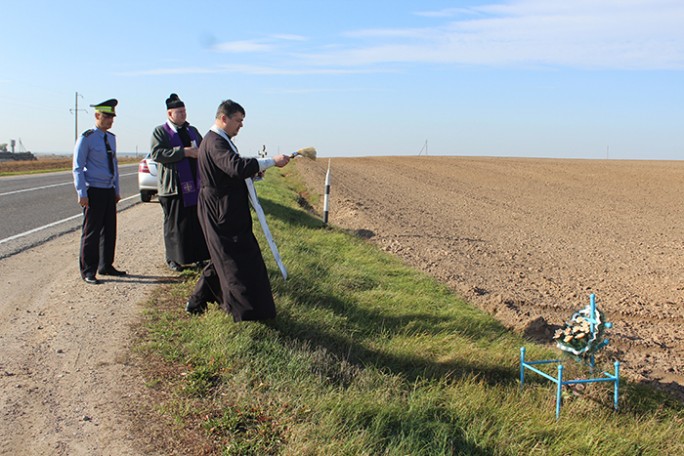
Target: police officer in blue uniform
{"x": 96, "y": 178}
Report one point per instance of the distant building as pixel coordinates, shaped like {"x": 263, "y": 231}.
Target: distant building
{"x": 23, "y": 154}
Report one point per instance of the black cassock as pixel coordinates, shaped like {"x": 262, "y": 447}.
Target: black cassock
{"x": 223, "y": 208}
{"x": 183, "y": 239}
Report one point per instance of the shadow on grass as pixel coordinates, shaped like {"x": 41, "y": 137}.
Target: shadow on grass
{"x": 363, "y": 326}
{"x": 292, "y": 217}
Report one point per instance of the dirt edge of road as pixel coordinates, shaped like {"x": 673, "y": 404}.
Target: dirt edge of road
{"x": 70, "y": 383}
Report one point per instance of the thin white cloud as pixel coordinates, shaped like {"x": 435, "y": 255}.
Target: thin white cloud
{"x": 169, "y": 71}
{"x": 622, "y": 34}
{"x": 242, "y": 47}
{"x": 290, "y": 71}
{"x": 407, "y": 33}
{"x": 597, "y": 34}
{"x": 269, "y": 44}
{"x": 448, "y": 12}
{"x": 310, "y": 90}
{"x": 255, "y": 70}
{"x": 290, "y": 37}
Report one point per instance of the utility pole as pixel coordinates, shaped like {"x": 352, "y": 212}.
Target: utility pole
{"x": 75, "y": 112}
{"x": 425, "y": 148}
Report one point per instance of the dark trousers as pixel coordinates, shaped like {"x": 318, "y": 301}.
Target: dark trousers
{"x": 98, "y": 235}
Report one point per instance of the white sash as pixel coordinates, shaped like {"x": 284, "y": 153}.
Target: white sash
{"x": 254, "y": 200}
{"x": 264, "y": 226}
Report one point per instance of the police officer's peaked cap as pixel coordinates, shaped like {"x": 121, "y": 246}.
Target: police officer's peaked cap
{"x": 174, "y": 102}
{"x": 106, "y": 106}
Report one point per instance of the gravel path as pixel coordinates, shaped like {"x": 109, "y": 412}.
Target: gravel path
{"x": 67, "y": 384}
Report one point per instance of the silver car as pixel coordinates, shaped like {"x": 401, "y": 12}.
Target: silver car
{"x": 147, "y": 178}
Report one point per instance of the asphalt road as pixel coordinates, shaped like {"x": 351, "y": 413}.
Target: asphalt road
{"x": 38, "y": 207}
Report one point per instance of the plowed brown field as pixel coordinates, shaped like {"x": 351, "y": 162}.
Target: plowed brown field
{"x": 530, "y": 238}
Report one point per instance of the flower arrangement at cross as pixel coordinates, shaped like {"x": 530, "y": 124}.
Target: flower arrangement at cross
{"x": 579, "y": 337}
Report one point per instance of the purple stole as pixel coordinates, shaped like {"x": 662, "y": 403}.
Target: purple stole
{"x": 189, "y": 186}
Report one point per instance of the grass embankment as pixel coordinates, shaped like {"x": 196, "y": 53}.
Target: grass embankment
{"x": 370, "y": 357}
{"x": 45, "y": 165}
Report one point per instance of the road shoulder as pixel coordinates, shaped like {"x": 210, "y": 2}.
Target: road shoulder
{"x": 67, "y": 382}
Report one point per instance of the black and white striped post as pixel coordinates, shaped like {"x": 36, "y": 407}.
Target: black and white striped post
{"x": 326, "y": 197}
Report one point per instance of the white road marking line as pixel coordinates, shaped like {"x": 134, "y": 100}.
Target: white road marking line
{"x": 49, "y": 186}
{"x": 50, "y": 225}
{"x": 35, "y": 188}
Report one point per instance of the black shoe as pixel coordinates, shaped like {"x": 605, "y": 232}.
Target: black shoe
{"x": 174, "y": 266}
{"x": 195, "y": 309}
{"x": 112, "y": 271}
{"x": 90, "y": 278}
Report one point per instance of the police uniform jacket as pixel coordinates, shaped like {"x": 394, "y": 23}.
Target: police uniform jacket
{"x": 91, "y": 167}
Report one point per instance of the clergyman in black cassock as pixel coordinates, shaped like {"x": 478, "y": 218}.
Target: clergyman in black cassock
{"x": 174, "y": 147}
{"x": 237, "y": 271}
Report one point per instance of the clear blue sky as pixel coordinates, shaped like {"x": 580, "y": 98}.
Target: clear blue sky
{"x": 542, "y": 78}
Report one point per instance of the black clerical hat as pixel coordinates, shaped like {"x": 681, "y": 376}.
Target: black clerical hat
{"x": 106, "y": 106}
{"x": 174, "y": 102}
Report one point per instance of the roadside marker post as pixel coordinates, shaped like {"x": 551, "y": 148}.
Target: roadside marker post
{"x": 326, "y": 197}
